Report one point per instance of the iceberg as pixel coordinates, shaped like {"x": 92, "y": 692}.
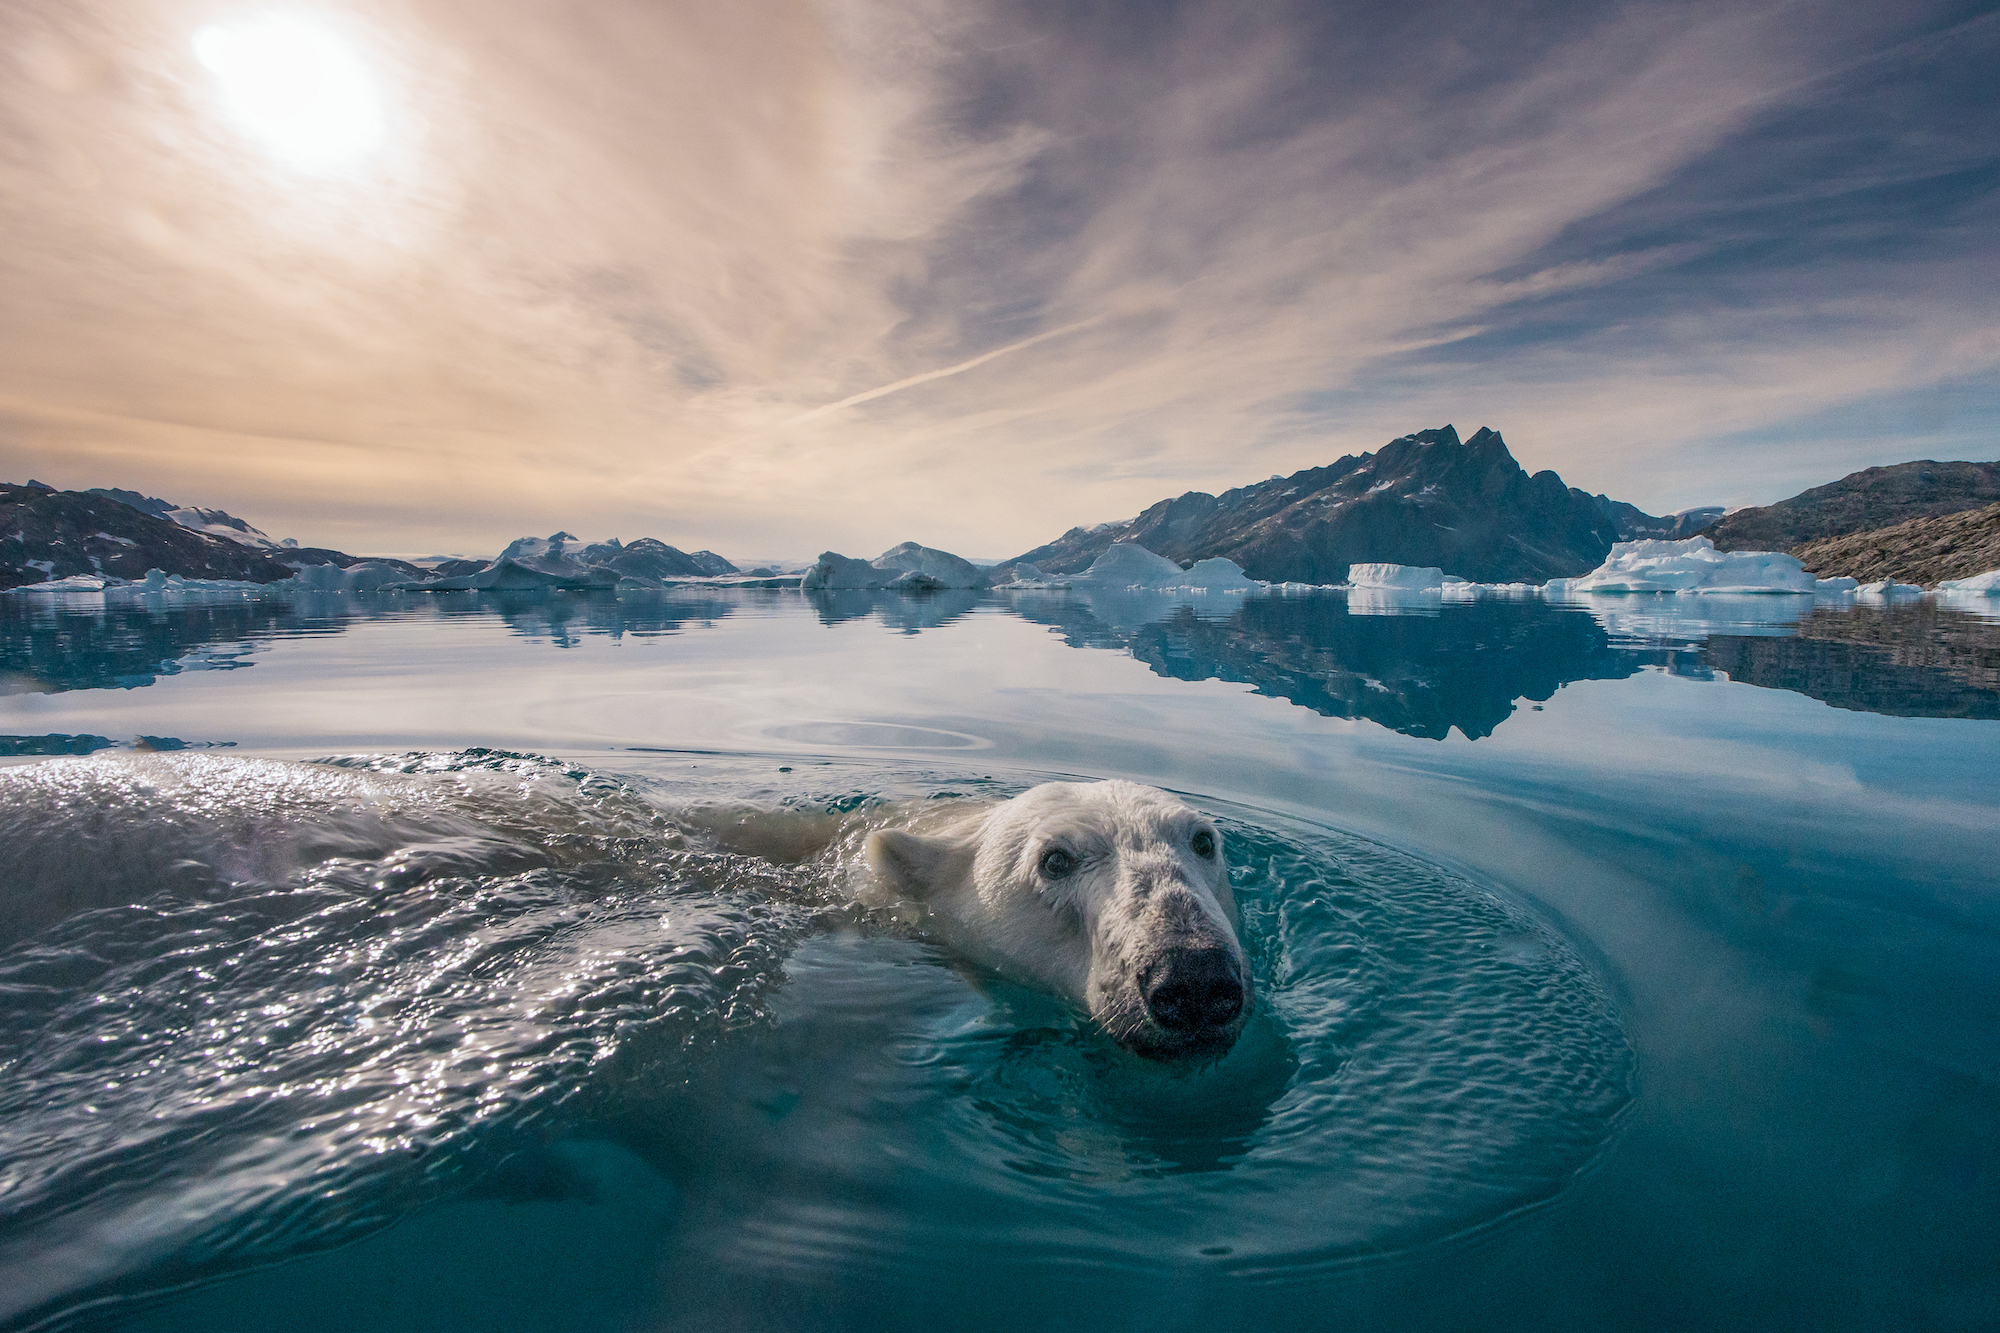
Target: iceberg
{"x": 158, "y": 580}
{"x": 1465, "y": 590}
{"x": 553, "y": 562}
{"x": 1692, "y": 566}
{"x": 1029, "y": 577}
{"x": 1401, "y": 578}
{"x": 1130, "y": 565}
{"x": 1380, "y": 589}
{"x": 941, "y": 569}
{"x": 1216, "y": 574}
{"x": 1836, "y": 586}
{"x": 1987, "y": 583}
{"x": 74, "y": 583}
{"x": 905, "y": 568}
{"x": 835, "y": 572}
{"x": 365, "y": 576}
{"x": 1889, "y": 590}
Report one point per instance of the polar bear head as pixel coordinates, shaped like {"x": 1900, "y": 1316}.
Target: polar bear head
{"x": 1113, "y": 894}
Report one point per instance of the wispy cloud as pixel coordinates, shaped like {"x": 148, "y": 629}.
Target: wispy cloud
{"x": 869, "y": 395}
{"x": 781, "y": 275}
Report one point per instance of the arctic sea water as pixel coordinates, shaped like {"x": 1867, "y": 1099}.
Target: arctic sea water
{"x": 1633, "y": 964}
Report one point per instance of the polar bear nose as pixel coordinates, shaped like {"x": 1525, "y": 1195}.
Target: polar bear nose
{"x": 1190, "y": 989}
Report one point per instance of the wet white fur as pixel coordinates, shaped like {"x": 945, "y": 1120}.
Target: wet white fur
{"x": 1139, "y": 888}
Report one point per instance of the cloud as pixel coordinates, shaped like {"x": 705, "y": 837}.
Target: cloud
{"x": 774, "y": 276}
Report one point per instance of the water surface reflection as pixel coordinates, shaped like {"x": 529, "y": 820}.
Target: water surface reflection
{"x": 1425, "y": 668}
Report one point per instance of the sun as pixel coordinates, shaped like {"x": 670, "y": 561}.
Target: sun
{"x": 300, "y": 88}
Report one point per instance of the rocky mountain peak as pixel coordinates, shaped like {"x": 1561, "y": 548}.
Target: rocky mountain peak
{"x": 1427, "y": 498}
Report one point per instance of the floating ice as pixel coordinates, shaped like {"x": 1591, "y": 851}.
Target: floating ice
{"x": 1837, "y": 585}
{"x": 1465, "y": 590}
{"x": 1130, "y": 565}
{"x": 1987, "y": 583}
{"x": 1693, "y": 566}
{"x": 158, "y": 580}
{"x": 905, "y": 568}
{"x": 1216, "y": 574}
{"x": 1029, "y": 577}
{"x": 837, "y": 572}
{"x": 366, "y": 576}
{"x": 941, "y": 569}
{"x": 1404, "y": 578}
{"x": 1889, "y": 590}
{"x": 74, "y": 583}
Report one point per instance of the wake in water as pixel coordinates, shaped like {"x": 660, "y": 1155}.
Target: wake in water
{"x": 250, "y": 1008}
{"x": 276, "y": 1005}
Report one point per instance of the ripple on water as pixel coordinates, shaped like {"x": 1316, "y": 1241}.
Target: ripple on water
{"x": 1426, "y": 1056}
{"x": 237, "y": 1066}
{"x": 378, "y": 985}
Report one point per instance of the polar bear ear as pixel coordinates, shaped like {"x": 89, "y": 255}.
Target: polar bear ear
{"x": 913, "y": 866}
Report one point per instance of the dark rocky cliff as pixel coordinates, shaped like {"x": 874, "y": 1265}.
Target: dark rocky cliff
{"x": 1430, "y": 498}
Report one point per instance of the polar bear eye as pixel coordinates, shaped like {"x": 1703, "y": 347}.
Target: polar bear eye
{"x": 1057, "y": 863}
{"x": 1203, "y": 844}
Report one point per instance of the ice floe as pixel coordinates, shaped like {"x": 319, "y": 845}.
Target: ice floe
{"x": 1130, "y": 565}
{"x": 933, "y": 568}
{"x": 1690, "y": 566}
{"x": 1030, "y": 578}
{"x": 1404, "y": 578}
{"x": 365, "y": 576}
{"x": 74, "y": 583}
{"x": 1888, "y": 590}
{"x": 1987, "y": 583}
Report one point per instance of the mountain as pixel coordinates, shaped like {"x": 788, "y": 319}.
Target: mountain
{"x": 651, "y": 558}
{"x": 1635, "y": 524}
{"x": 1465, "y": 507}
{"x": 1876, "y": 497}
{"x": 1920, "y": 550}
{"x": 907, "y": 568}
{"x": 50, "y": 534}
{"x": 215, "y": 522}
{"x": 562, "y": 560}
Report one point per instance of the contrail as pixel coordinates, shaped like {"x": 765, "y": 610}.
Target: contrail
{"x": 930, "y": 375}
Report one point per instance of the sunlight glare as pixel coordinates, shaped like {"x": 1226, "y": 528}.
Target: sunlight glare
{"x": 301, "y": 88}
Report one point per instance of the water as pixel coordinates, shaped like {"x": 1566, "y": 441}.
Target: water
{"x": 1628, "y": 965}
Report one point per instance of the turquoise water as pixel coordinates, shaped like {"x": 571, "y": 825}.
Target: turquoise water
{"x": 1628, "y": 965}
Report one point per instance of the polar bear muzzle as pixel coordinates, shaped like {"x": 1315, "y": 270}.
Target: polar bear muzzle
{"x": 1195, "y": 994}
{"x": 1113, "y": 894}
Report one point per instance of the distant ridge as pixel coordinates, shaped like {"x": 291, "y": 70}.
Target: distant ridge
{"x": 1464, "y": 506}
{"x": 1919, "y": 550}
{"x": 1876, "y": 497}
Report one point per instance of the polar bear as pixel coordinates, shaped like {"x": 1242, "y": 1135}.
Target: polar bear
{"x": 1113, "y": 894}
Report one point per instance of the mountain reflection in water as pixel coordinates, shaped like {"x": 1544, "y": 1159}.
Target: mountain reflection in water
{"x": 1421, "y": 669}
{"x": 1914, "y": 660}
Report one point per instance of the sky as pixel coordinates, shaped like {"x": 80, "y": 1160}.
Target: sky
{"x": 771, "y": 277}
